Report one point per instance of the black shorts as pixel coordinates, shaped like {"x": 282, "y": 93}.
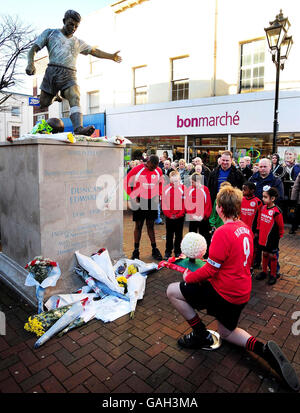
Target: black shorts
{"x": 147, "y": 209}
{"x": 58, "y": 78}
{"x": 203, "y": 296}
{"x": 271, "y": 249}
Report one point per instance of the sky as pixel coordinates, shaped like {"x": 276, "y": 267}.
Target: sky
{"x": 49, "y": 13}
{"x": 41, "y": 15}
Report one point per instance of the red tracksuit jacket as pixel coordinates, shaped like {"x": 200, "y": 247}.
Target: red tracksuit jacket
{"x": 198, "y": 201}
{"x": 143, "y": 183}
{"x": 172, "y": 201}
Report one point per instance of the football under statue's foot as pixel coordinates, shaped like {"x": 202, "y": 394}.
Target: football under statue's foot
{"x": 87, "y": 130}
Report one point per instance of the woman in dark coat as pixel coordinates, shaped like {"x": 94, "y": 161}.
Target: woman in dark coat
{"x": 277, "y": 168}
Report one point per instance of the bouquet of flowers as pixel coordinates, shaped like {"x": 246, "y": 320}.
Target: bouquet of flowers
{"x": 136, "y": 285}
{"x": 40, "y": 323}
{"x": 43, "y": 273}
{"x": 41, "y": 127}
{"x": 127, "y": 267}
{"x": 71, "y": 315}
{"x": 122, "y": 281}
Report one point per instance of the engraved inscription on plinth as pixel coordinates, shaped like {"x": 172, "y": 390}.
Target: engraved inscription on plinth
{"x": 70, "y": 197}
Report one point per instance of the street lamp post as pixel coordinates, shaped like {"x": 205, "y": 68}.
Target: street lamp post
{"x": 280, "y": 45}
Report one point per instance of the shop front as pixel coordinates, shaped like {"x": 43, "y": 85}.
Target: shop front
{"x": 205, "y": 127}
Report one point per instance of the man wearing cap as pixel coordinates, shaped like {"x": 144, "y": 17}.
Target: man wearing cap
{"x": 60, "y": 76}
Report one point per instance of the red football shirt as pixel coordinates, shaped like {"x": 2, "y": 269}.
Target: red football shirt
{"x": 270, "y": 225}
{"x": 228, "y": 265}
{"x": 143, "y": 183}
{"x": 250, "y": 209}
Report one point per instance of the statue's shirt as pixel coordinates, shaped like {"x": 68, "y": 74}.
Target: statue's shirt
{"x": 62, "y": 51}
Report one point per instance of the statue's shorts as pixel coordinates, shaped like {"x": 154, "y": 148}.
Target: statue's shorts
{"x": 58, "y": 78}
{"x": 202, "y": 296}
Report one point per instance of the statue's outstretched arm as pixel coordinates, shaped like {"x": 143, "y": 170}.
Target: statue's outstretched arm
{"x": 103, "y": 55}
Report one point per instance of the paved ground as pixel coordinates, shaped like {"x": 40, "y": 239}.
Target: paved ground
{"x": 141, "y": 355}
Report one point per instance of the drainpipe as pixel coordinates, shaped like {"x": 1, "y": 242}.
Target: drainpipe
{"x": 229, "y": 142}
{"x": 185, "y": 148}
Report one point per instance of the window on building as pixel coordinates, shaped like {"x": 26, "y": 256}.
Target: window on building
{"x": 140, "y": 81}
{"x": 15, "y": 111}
{"x": 65, "y": 108}
{"x": 180, "y": 78}
{"x": 93, "y": 101}
{"x": 252, "y": 69}
{"x": 15, "y": 131}
{"x": 94, "y": 64}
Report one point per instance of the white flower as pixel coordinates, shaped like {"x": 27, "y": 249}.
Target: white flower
{"x": 193, "y": 245}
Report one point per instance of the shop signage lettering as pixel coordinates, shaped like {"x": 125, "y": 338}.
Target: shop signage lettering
{"x": 209, "y": 121}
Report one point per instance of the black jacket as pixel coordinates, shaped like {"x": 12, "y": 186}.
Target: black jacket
{"x": 269, "y": 180}
{"x": 246, "y": 172}
{"x": 235, "y": 177}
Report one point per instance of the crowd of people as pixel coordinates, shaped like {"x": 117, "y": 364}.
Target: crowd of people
{"x": 237, "y": 210}
{"x": 199, "y": 187}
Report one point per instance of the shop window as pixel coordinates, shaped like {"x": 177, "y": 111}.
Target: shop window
{"x": 93, "y": 101}
{"x": 65, "y": 108}
{"x": 180, "y": 79}
{"x": 252, "y": 70}
{"x": 140, "y": 80}
{"x": 15, "y": 131}
{"x": 94, "y": 64}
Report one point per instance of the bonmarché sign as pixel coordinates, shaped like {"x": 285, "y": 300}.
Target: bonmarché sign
{"x": 206, "y": 121}
{"x": 239, "y": 114}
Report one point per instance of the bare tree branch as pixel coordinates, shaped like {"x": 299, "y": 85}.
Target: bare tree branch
{"x": 15, "y": 41}
{"x": 4, "y": 99}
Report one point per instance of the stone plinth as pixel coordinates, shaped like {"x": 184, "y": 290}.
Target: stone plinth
{"x": 57, "y": 198}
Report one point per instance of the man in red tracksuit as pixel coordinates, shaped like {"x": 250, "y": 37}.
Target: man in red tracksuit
{"x": 173, "y": 208}
{"x": 271, "y": 228}
{"x": 144, "y": 186}
{"x": 198, "y": 208}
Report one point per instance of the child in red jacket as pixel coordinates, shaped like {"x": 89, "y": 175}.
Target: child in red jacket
{"x": 198, "y": 207}
{"x": 250, "y": 210}
{"x": 173, "y": 208}
{"x": 271, "y": 228}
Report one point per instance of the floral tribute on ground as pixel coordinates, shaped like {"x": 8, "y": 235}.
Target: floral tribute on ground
{"x": 110, "y": 291}
{"x": 43, "y": 273}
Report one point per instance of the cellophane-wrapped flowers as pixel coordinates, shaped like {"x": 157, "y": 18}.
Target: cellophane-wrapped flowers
{"x": 40, "y": 268}
{"x": 43, "y": 273}
{"x": 40, "y": 323}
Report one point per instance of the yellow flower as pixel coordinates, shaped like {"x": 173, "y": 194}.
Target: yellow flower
{"x": 122, "y": 280}
{"x": 71, "y": 137}
{"x": 132, "y": 269}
